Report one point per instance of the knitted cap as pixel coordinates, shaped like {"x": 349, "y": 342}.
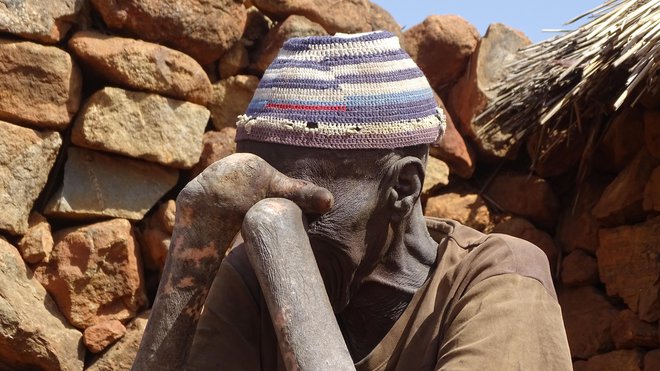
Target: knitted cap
{"x": 343, "y": 91}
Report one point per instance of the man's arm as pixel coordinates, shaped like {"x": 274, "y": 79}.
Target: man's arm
{"x": 210, "y": 210}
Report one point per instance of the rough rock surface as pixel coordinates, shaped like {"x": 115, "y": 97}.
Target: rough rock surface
{"x": 452, "y": 149}
{"x": 40, "y": 85}
{"x": 234, "y": 61}
{"x": 381, "y": 19}
{"x": 527, "y": 196}
{"x": 120, "y": 355}
{"x": 148, "y": 126}
{"x": 37, "y": 243}
{"x": 652, "y": 132}
{"x": 350, "y": 16}
{"x": 33, "y": 333}
{"x": 141, "y": 65}
{"x": 203, "y": 29}
{"x": 618, "y": 360}
{"x": 99, "y": 336}
{"x": 628, "y": 332}
{"x": 629, "y": 265}
{"x": 441, "y": 46}
{"x": 467, "y": 208}
{"x": 32, "y": 20}
{"x": 216, "y": 145}
{"x": 437, "y": 174}
{"x": 621, "y": 142}
{"x": 26, "y": 157}
{"x": 156, "y": 234}
{"x": 587, "y": 317}
{"x": 91, "y": 187}
{"x": 556, "y": 152}
{"x": 651, "y": 200}
{"x": 621, "y": 202}
{"x": 230, "y": 99}
{"x": 579, "y": 268}
{"x": 652, "y": 360}
{"x": 474, "y": 90}
{"x": 521, "y": 228}
{"x": 293, "y": 26}
{"x": 95, "y": 273}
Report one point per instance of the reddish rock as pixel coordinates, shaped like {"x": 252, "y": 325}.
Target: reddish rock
{"x": 26, "y": 158}
{"x": 436, "y": 176}
{"x": 230, "y": 99}
{"x": 338, "y": 16}
{"x": 628, "y": 332}
{"x": 652, "y": 132}
{"x": 256, "y": 27}
{"x": 95, "y": 273}
{"x": 293, "y": 26}
{"x": 579, "y": 268}
{"x": 521, "y": 228}
{"x": 525, "y": 195}
{"x": 629, "y": 265}
{"x": 33, "y": 333}
{"x": 577, "y": 228}
{"x": 234, "y": 61}
{"x": 475, "y": 89}
{"x": 622, "y": 141}
{"x": 32, "y": 20}
{"x": 651, "y": 200}
{"x": 467, "y": 208}
{"x": 442, "y": 46}
{"x": 621, "y": 202}
{"x": 587, "y": 317}
{"x": 156, "y": 234}
{"x": 452, "y": 149}
{"x": 203, "y": 29}
{"x": 557, "y": 152}
{"x": 37, "y": 243}
{"x": 580, "y": 365}
{"x": 652, "y": 360}
{"x": 141, "y": 65}
{"x": 216, "y": 145}
{"x": 120, "y": 355}
{"x": 40, "y": 85}
{"x": 618, "y": 360}
{"x": 381, "y": 19}
{"x": 98, "y": 337}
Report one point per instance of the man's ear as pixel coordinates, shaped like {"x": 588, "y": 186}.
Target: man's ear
{"x": 404, "y": 185}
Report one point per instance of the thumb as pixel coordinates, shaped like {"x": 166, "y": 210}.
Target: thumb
{"x": 308, "y": 196}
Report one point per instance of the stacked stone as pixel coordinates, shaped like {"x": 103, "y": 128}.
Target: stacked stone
{"x": 107, "y": 108}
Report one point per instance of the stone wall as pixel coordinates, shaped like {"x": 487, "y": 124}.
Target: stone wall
{"x": 107, "y": 108}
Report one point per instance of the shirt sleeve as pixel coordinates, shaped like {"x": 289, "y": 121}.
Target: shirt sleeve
{"x": 505, "y": 322}
{"x": 228, "y": 334}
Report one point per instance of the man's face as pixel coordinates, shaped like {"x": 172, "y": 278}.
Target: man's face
{"x": 348, "y": 240}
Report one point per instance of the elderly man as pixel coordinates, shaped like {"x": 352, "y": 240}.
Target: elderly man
{"x": 341, "y": 125}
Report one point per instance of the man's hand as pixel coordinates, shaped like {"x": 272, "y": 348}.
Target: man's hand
{"x": 210, "y": 211}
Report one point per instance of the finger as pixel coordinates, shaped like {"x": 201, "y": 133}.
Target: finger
{"x": 309, "y": 197}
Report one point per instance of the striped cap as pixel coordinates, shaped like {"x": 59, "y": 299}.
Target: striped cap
{"x": 344, "y": 91}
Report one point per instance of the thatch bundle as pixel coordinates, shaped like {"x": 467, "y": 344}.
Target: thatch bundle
{"x": 578, "y": 80}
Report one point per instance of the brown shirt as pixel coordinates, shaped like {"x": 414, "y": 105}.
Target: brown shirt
{"x": 488, "y": 305}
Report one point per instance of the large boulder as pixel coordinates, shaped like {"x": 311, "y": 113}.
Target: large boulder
{"x": 32, "y": 20}
{"x": 628, "y": 332}
{"x": 101, "y": 185}
{"x": 622, "y": 141}
{"x": 216, "y": 145}
{"x": 464, "y": 207}
{"x": 525, "y": 195}
{"x": 203, "y": 29}
{"x": 230, "y": 99}
{"x": 33, "y": 332}
{"x": 629, "y": 265}
{"x": 348, "y": 16}
{"x": 26, "y": 157}
{"x": 622, "y": 200}
{"x": 141, "y": 65}
{"x": 40, "y": 85}
{"x": 95, "y": 273}
{"x": 381, "y": 19}
{"x": 578, "y": 269}
{"x": 121, "y": 355}
{"x": 474, "y": 90}
{"x": 588, "y": 317}
{"x": 442, "y": 46}
{"x": 269, "y": 47}
{"x": 148, "y": 126}
{"x": 452, "y": 149}
{"x": 436, "y": 175}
